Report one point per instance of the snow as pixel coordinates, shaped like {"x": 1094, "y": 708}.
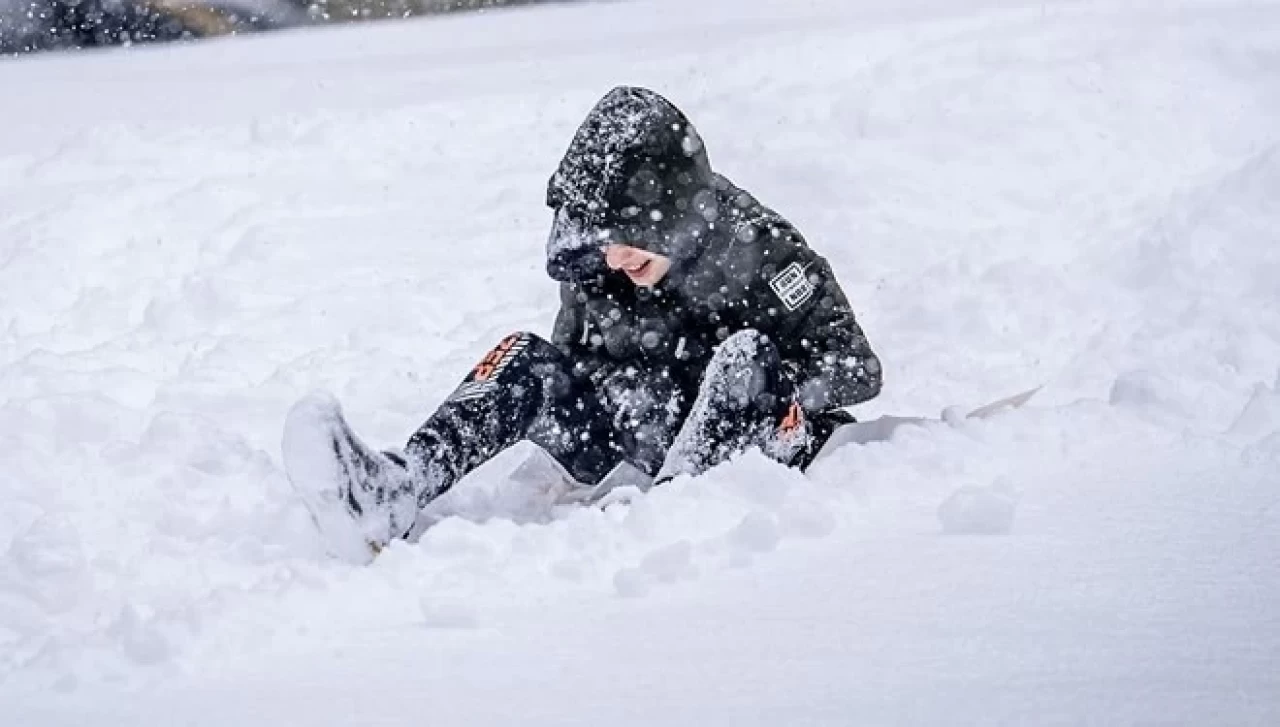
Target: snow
{"x": 1084, "y": 195}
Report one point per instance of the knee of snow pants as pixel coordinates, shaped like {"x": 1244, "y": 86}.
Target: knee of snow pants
{"x": 745, "y": 400}
{"x": 522, "y": 389}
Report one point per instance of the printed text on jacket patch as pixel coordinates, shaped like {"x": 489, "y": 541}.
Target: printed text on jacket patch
{"x": 792, "y": 286}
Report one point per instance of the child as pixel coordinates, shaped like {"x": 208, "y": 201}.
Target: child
{"x": 694, "y": 323}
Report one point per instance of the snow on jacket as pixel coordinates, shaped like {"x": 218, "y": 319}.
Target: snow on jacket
{"x": 637, "y": 173}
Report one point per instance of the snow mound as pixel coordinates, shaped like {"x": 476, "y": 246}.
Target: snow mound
{"x": 979, "y": 510}
{"x": 1078, "y": 194}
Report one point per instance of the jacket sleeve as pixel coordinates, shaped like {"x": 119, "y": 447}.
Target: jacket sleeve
{"x": 815, "y": 330}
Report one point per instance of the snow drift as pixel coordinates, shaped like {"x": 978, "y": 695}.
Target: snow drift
{"x": 1081, "y": 195}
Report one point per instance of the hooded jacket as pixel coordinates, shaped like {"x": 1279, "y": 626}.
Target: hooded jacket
{"x": 637, "y": 173}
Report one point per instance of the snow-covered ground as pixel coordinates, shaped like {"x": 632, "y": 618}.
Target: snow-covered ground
{"x": 1084, "y": 195}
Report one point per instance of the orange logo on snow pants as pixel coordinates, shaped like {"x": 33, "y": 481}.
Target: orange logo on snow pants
{"x": 480, "y": 382}
{"x": 492, "y": 361}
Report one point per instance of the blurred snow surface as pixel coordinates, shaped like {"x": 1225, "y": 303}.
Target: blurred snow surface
{"x": 1084, "y": 195}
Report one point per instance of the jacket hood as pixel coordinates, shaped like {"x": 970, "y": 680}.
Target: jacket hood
{"x": 636, "y": 172}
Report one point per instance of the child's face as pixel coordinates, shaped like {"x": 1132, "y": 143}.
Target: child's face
{"x": 643, "y": 267}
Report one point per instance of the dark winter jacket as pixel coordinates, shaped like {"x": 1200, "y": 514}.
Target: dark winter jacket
{"x": 637, "y": 172}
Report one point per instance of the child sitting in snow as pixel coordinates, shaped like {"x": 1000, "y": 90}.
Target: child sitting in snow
{"x": 694, "y": 323}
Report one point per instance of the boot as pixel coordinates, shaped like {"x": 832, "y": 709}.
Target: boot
{"x": 360, "y": 499}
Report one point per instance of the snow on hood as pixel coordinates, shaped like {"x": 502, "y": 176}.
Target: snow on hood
{"x": 635, "y": 172}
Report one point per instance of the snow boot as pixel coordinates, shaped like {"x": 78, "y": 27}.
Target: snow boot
{"x": 360, "y": 499}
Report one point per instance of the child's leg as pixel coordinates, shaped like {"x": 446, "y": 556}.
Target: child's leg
{"x": 362, "y": 499}
{"x": 522, "y": 389}
{"x": 745, "y": 400}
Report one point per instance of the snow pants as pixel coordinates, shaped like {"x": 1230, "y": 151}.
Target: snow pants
{"x": 526, "y": 389}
